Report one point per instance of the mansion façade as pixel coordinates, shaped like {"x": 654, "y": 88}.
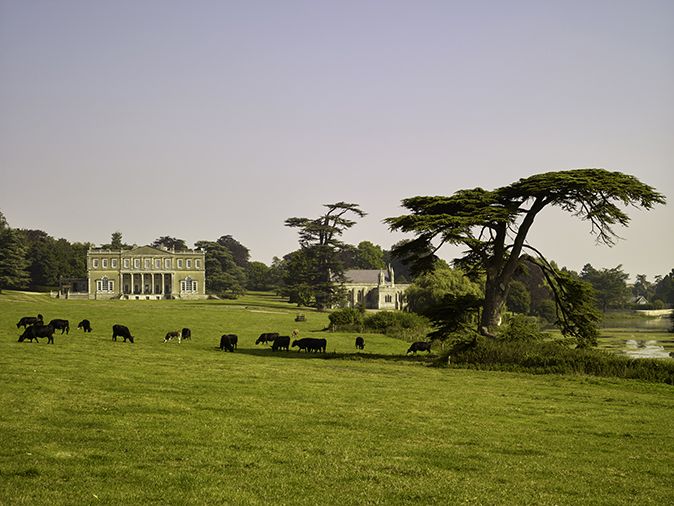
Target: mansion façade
{"x": 146, "y": 273}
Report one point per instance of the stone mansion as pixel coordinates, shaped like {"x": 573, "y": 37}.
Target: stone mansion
{"x": 145, "y": 273}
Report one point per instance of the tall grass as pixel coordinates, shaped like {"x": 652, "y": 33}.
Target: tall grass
{"x": 556, "y": 358}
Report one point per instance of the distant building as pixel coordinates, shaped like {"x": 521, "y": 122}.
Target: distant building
{"x": 374, "y": 289}
{"x": 146, "y": 273}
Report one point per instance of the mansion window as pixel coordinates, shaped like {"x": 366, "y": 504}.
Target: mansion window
{"x": 197, "y": 264}
{"x": 136, "y": 263}
{"x": 105, "y": 285}
{"x": 188, "y": 285}
{"x": 126, "y": 263}
{"x": 188, "y": 264}
{"x": 94, "y": 262}
{"x": 104, "y": 263}
{"x": 157, "y": 264}
{"x": 388, "y": 298}
{"x": 167, "y": 263}
{"x": 180, "y": 264}
{"x": 147, "y": 263}
{"x": 113, "y": 263}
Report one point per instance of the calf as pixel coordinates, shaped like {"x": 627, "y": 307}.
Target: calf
{"x": 228, "y": 342}
{"x": 281, "y": 343}
{"x": 186, "y": 333}
{"x": 420, "y": 346}
{"x": 29, "y": 320}
{"x": 84, "y": 325}
{"x": 360, "y": 343}
{"x": 121, "y": 331}
{"x": 171, "y": 335}
{"x": 267, "y": 337}
{"x": 38, "y": 330}
{"x": 62, "y": 325}
{"x": 310, "y": 344}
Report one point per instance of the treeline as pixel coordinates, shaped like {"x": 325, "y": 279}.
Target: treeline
{"x": 34, "y": 260}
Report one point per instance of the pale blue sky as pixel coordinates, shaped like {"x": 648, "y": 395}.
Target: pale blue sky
{"x": 198, "y": 118}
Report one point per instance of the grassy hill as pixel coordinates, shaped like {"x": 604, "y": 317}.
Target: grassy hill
{"x": 88, "y": 420}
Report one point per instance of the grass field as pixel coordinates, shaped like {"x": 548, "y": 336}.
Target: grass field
{"x": 92, "y": 421}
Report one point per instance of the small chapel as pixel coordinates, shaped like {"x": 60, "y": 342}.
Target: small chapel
{"x": 374, "y": 289}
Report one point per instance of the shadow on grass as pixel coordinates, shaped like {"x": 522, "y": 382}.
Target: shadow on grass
{"x": 267, "y": 352}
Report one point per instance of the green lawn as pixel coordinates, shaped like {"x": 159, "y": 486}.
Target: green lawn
{"x": 91, "y": 421}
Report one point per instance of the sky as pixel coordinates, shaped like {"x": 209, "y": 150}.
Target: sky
{"x": 197, "y": 119}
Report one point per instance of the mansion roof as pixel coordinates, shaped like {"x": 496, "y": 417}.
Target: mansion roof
{"x": 144, "y": 251}
{"x": 365, "y": 276}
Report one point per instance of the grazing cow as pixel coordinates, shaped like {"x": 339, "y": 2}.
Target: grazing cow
{"x": 29, "y": 320}
{"x": 360, "y": 343}
{"x": 420, "y": 346}
{"x": 171, "y": 335}
{"x": 84, "y": 325}
{"x": 267, "y": 337}
{"x": 186, "y": 333}
{"x": 228, "y": 342}
{"x": 121, "y": 331}
{"x": 310, "y": 344}
{"x": 38, "y": 330}
{"x": 281, "y": 343}
{"x": 62, "y": 325}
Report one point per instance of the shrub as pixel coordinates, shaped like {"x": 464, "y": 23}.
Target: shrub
{"x": 347, "y": 318}
{"x": 407, "y": 326}
{"x": 520, "y": 327}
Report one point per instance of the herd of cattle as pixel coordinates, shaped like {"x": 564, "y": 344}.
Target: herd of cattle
{"x": 34, "y": 328}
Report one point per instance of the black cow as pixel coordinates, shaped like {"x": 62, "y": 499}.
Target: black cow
{"x": 171, "y": 335}
{"x": 310, "y": 344}
{"x": 62, "y": 325}
{"x": 29, "y": 320}
{"x": 360, "y": 343}
{"x": 267, "y": 337}
{"x": 38, "y": 330}
{"x": 186, "y": 333}
{"x": 281, "y": 343}
{"x": 228, "y": 342}
{"x": 420, "y": 346}
{"x": 84, "y": 325}
{"x": 121, "y": 331}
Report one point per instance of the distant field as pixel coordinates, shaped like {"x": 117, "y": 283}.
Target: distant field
{"x": 89, "y": 421}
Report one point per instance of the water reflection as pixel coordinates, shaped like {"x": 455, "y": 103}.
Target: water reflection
{"x": 644, "y": 349}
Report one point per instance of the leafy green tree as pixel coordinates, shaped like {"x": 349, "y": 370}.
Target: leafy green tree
{"x": 116, "y": 241}
{"x": 541, "y": 299}
{"x": 610, "y": 285}
{"x": 258, "y": 276}
{"x": 519, "y": 298}
{"x": 13, "y": 262}
{"x": 643, "y": 288}
{"x": 239, "y": 252}
{"x": 428, "y": 289}
{"x": 298, "y": 276}
{"x": 277, "y": 274}
{"x": 664, "y": 288}
{"x": 43, "y": 262}
{"x": 370, "y": 256}
{"x": 494, "y": 226}
{"x": 320, "y": 244}
{"x": 223, "y": 275}
{"x": 169, "y": 243}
